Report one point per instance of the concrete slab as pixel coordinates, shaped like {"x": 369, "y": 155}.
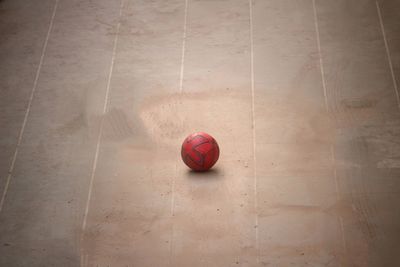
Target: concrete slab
{"x": 300, "y": 95}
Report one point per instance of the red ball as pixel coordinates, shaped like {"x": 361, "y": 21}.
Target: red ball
{"x": 200, "y": 151}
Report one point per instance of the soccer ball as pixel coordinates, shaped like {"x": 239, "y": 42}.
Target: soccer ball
{"x": 200, "y": 151}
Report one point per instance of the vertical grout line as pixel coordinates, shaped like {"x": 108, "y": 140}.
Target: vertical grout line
{"x": 182, "y": 69}
{"x": 183, "y": 48}
{"x": 253, "y": 126}
{"x": 28, "y": 109}
{"x": 327, "y": 110}
{"x": 321, "y": 65}
{"x": 105, "y": 107}
{"x": 388, "y": 54}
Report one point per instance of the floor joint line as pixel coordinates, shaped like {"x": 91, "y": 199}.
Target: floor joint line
{"x": 28, "y": 109}
{"x": 388, "y": 54}
{"x": 253, "y": 126}
{"x": 104, "y": 111}
{"x": 181, "y": 74}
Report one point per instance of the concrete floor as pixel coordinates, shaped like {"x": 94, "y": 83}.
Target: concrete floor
{"x": 97, "y": 96}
